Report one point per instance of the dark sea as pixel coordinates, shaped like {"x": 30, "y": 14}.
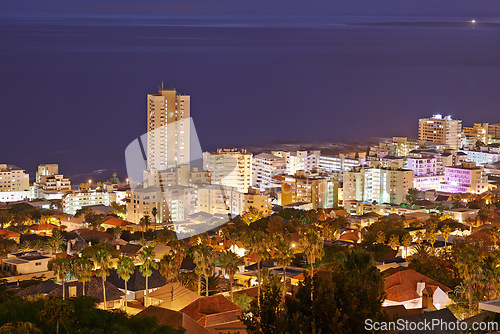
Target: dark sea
{"x": 73, "y": 88}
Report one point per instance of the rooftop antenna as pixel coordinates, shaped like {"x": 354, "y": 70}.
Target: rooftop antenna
{"x": 162, "y": 85}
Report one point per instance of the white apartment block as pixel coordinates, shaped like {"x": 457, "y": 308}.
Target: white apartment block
{"x": 14, "y": 184}
{"x": 179, "y": 201}
{"x": 440, "y": 130}
{"x": 49, "y": 183}
{"x": 300, "y": 160}
{"x": 377, "y": 185}
{"x": 74, "y": 201}
{"x": 484, "y": 156}
{"x": 265, "y": 166}
{"x": 425, "y": 166}
{"x": 229, "y": 167}
{"x": 337, "y": 164}
{"x": 223, "y": 200}
{"x": 182, "y": 175}
{"x": 428, "y": 182}
{"x": 169, "y": 129}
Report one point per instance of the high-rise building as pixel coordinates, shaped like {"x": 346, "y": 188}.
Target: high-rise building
{"x": 168, "y": 143}
{"x": 229, "y": 167}
{"x": 440, "y": 130}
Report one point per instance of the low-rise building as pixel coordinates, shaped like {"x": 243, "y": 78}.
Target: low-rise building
{"x": 74, "y": 201}
{"x": 49, "y": 183}
{"x": 462, "y": 179}
{"x": 14, "y": 184}
{"x": 26, "y": 262}
{"x": 317, "y": 188}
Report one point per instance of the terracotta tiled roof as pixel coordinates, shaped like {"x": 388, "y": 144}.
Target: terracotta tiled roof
{"x": 116, "y": 222}
{"x": 174, "y": 319}
{"x": 9, "y": 234}
{"x": 352, "y": 236}
{"x": 214, "y": 310}
{"x": 91, "y": 234}
{"x": 402, "y": 285}
{"x": 42, "y": 227}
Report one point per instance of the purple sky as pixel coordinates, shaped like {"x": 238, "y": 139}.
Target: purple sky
{"x": 74, "y": 90}
{"x": 298, "y": 7}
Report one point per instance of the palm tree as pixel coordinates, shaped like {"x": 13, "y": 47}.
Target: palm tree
{"x": 406, "y": 241}
{"x": 145, "y": 221}
{"x": 102, "y": 261}
{"x": 445, "y": 232}
{"x": 469, "y": 268}
{"x": 83, "y": 269}
{"x": 230, "y": 262}
{"x": 5, "y": 218}
{"x": 394, "y": 241}
{"x": 125, "y": 268}
{"x": 60, "y": 267}
{"x": 380, "y": 239}
{"x": 491, "y": 275}
{"x": 284, "y": 255}
{"x": 204, "y": 258}
{"x": 312, "y": 245}
{"x": 419, "y": 236}
{"x": 58, "y": 311}
{"x": 147, "y": 257}
{"x": 167, "y": 266}
{"x": 257, "y": 243}
{"x": 154, "y": 212}
{"x": 180, "y": 250}
{"x": 495, "y": 235}
{"x": 57, "y": 241}
{"x": 431, "y": 236}
{"x": 25, "y": 246}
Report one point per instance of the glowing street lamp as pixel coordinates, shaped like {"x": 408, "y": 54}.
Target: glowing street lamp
{"x": 90, "y": 183}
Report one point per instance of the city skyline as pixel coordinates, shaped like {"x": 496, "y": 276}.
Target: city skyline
{"x": 357, "y": 71}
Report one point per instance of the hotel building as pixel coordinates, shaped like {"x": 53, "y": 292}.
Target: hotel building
{"x": 440, "y": 130}
{"x": 169, "y": 128}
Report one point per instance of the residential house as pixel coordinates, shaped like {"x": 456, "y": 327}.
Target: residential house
{"x": 136, "y": 286}
{"x": 174, "y": 319}
{"x": 172, "y": 296}
{"x": 414, "y": 290}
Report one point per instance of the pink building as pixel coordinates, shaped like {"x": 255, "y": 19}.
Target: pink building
{"x": 462, "y": 179}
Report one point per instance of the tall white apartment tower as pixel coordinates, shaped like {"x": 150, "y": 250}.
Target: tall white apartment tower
{"x": 440, "y": 130}
{"x": 168, "y": 142}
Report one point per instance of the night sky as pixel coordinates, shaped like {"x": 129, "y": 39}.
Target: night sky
{"x": 74, "y": 74}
